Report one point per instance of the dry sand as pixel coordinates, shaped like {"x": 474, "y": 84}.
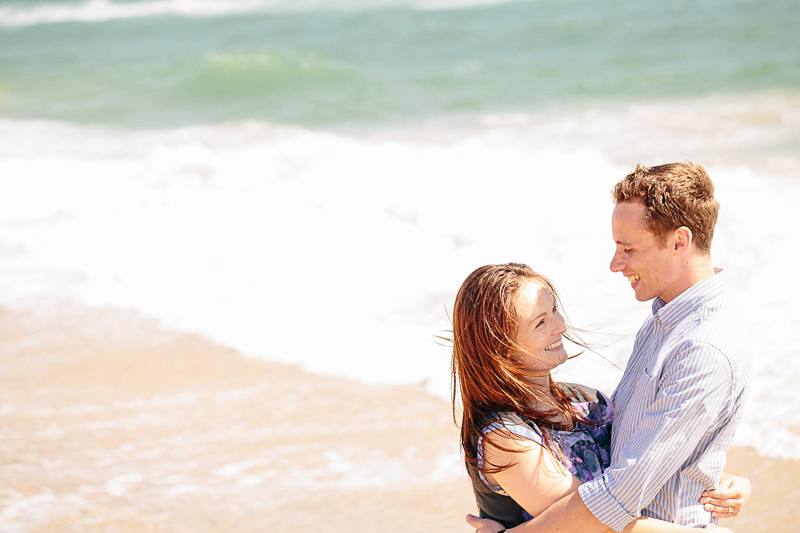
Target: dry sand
{"x": 110, "y": 423}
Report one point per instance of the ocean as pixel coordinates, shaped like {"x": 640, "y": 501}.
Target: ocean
{"x": 310, "y": 181}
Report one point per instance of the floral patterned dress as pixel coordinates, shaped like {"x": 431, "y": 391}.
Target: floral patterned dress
{"x": 587, "y": 451}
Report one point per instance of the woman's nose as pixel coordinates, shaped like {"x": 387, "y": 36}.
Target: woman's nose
{"x": 560, "y": 324}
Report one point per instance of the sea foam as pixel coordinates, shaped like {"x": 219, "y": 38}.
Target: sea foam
{"x": 342, "y": 252}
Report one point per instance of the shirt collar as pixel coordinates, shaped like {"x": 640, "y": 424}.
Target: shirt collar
{"x": 690, "y": 299}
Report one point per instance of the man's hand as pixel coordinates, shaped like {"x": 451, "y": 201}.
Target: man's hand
{"x": 727, "y": 500}
{"x": 483, "y": 525}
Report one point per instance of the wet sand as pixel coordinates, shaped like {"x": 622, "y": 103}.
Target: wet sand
{"x": 111, "y": 423}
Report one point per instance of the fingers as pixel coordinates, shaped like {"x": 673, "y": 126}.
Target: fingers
{"x": 735, "y": 488}
{"x": 723, "y": 514}
{"x": 720, "y": 504}
{"x": 473, "y": 521}
{"x": 722, "y": 494}
{"x": 722, "y": 511}
{"x": 724, "y": 502}
{"x": 477, "y": 523}
{"x": 482, "y": 525}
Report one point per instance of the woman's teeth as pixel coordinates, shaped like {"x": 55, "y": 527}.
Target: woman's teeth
{"x": 553, "y": 346}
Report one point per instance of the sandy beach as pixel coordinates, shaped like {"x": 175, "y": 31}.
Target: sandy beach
{"x": 112, "y": 423}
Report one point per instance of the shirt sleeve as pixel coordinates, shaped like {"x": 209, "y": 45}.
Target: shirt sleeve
{"x": 515, "y": 426}
{"x": 692, "y": 396}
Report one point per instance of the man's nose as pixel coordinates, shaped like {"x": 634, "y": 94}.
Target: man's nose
{"x": 616, "y": 263}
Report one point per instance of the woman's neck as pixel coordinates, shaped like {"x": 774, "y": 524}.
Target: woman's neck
{"x": 543, "y": 399}
{"x": 541, "y": 383}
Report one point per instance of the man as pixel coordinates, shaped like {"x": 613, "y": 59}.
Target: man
{"x": 680, "y": 398}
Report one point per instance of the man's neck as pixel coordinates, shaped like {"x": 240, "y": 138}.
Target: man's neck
{"x": 697, "y": 269}
{"x": 700, "y": 268}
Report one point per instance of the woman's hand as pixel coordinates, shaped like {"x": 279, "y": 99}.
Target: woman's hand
{"x": 484, "y": 525}
{"x": 727, "y": 500}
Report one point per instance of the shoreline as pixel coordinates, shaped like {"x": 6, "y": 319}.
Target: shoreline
{"x": 112, "y": 423}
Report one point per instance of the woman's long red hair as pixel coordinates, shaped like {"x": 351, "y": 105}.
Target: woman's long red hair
{"x": 491, "y": 382}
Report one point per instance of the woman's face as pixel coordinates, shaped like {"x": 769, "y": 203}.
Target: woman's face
{"x": 541, "y": 327}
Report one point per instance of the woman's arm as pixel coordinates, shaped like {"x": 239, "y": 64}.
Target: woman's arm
{"x": 534, "y": 478}
{"x": 640, "y": 525}
{"x": 645, "y": 524}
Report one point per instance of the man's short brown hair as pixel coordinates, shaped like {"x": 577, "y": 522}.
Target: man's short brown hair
{"x": 674, "y": 195}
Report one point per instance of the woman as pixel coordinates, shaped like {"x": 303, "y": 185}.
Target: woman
{"x": 527, "y": 440}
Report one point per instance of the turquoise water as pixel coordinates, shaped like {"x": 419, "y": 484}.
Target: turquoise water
{"x": 106, "y": 63}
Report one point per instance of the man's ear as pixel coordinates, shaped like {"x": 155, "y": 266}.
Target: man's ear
{"x": 682, "y": 240}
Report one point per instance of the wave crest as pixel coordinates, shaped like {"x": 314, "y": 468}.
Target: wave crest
{"x": 104, "y": 10}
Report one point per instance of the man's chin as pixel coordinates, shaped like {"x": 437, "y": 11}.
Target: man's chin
{"x": 643, "y": 297}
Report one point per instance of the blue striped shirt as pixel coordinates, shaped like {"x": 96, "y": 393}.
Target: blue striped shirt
{"x": 677, "y": 406}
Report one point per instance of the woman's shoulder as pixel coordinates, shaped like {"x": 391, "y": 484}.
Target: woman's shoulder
{"x": 507, "y": 422}
{"x": 581, "y": 393}
{"x": 591, "y": 403}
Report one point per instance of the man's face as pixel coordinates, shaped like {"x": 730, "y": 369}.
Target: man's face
{"x": 640, "y": 256}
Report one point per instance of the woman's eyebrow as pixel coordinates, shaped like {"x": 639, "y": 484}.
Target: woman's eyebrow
{"x": 537, "y": 317}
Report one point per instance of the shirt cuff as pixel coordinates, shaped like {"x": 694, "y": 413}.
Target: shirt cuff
{"x": 597, "y": 498}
